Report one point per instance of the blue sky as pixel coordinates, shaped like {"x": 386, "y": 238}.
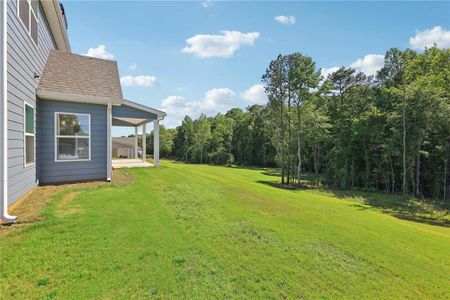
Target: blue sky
{"x": 227, "y": 45}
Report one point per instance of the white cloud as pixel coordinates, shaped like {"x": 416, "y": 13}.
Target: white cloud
{"x": 285, "y": 20}
{"x": 429, "y": 37}
{"x": 223, "y": 45}
{"x": 100, "y": 52}
{"x": 218, "y": 97}
{"x": 176, "y": 108}
{"x": 255, "y": 94}
{"x": 369, "y": 64}
{"x": 215, "y": 100}
{"x": 133, "y": 67}
{"x": 327, "y": 71}
{"x": 142, "y": 80}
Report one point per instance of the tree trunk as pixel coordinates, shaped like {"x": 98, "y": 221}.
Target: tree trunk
{"x": 315, "y": 159}
{"x": 352, "y": 173}
{"x": 445, "y": 179}
{"x": 282, "y": 144}
{"x": 316, "y": 151}
{"x": 412, "y": 175}
{"x": 264, "y": 152}
{"x": 367, "y": 161}
{"x": 299, "y": 158}
{"x": 392, "y": 174}
{"x": 418, "y": 167}
{"x": 404, "y": 188}
{"x": 289, "y": 139}
{"x": 299, "y": 144}
{"x": 318, "y": 164}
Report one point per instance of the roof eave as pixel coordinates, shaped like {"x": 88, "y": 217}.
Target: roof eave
{"x": 69, "y": 97}
{"x": 57, "y": 25}
{"x": 160, "y": 114}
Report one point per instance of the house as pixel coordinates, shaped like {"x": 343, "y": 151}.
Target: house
{"x": 126, "y": 147}
{"x": 57, "y": 107}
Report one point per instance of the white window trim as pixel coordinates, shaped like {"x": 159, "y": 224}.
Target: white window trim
{"x": 25, "y": 134}
{"x": 28, "y": 30}
{"x": 71, "y": 136}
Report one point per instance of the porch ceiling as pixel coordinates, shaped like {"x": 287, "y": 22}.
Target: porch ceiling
{"x": 132, "y": 114}
{"x": 121, "y": 121}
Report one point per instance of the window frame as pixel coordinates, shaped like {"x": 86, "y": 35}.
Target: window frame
{"x": 57, "y": 135}
{"x": 30, "y": 13}
{"x": 25, "y": 134}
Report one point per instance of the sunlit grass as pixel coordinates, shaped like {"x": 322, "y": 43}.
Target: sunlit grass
{"x": 196, "y": 231}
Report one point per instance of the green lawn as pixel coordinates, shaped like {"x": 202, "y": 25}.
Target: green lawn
{"x": 196, "y": 231}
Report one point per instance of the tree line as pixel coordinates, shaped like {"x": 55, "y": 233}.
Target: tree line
{"x": 388, "y": 132}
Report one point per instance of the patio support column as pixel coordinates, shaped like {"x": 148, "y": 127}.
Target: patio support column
{"x": 156, "y": 142}
{"x": 109, "y": 143}
{"x": 136, "y": 142}
{"x": 144, "y": 142}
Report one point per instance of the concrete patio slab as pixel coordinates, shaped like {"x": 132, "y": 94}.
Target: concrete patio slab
{"x": 129, "y": 163}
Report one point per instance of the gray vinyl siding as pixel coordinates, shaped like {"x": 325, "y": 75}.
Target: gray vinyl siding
{"x": 51, "y": 171}
{"x": 24, "y": 59}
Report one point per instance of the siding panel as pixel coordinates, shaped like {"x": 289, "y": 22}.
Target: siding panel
{"x": 24, "y": 59}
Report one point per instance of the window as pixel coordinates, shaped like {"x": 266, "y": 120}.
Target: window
{"x": 72, "y": 137}
{"x": 27, "y": 10}
{"x": 29, "y": 135}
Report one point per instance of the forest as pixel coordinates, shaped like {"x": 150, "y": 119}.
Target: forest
{"x": 389, "y": 132}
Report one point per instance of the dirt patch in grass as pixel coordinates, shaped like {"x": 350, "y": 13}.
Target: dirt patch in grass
{"x": 63, "y": 208}
{"x": 29, "y": 208}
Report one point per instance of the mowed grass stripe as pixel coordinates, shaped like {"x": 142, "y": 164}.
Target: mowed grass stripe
{"x": 196, "y": 231}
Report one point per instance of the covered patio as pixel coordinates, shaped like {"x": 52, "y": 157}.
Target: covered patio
{"x": 130, "y": 163}
{"x": 131, "y": 114}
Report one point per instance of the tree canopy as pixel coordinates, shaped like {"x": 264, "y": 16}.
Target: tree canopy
{"x": 389, "y": 132}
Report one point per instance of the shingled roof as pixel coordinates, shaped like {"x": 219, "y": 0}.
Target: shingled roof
{"x": 74, "y": 77}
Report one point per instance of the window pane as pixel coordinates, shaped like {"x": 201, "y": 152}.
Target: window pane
{"x": 34, "y": 6}
{"x": 24, "y": 13}
{"x": 29, "y": 149}
{"x": 73, "y": 148}
{"x": 70, "y": 124}
{"x": 29, "y": 119}
{"x": 34, "y": 29}
{"x": 83, "y": 148}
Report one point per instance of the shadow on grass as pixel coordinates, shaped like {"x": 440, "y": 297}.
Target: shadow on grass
{"x": 307, "y": 178}
{"x": 292, "y": 187}
{"x": 429, "y": 212}
{"x": 271, "y": 172}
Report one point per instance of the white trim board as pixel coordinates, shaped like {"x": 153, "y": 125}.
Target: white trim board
{"x": 25, "y": 134}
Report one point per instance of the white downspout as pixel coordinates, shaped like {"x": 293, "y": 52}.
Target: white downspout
{"x": 108, "y": 142}
{"x": 5, "y": 217}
